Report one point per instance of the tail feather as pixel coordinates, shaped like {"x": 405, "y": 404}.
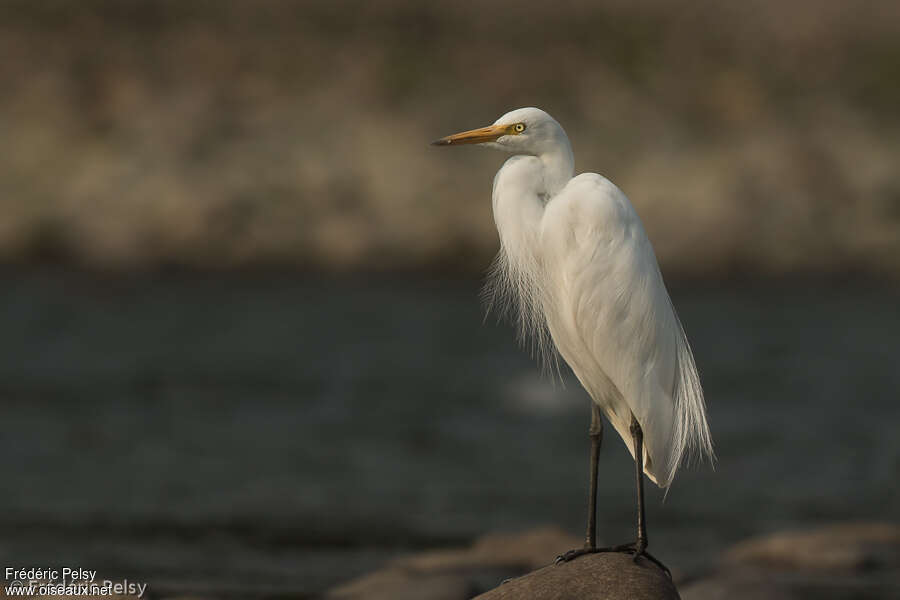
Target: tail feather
{"x": 690, "y": 437}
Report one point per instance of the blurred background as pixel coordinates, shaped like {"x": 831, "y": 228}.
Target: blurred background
{"x": 241, "y": 336}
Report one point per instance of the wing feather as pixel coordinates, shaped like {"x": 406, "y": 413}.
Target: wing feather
{"x": 611, "y": 318}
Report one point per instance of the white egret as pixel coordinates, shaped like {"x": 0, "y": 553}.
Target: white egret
{"x": 576, "y": 265}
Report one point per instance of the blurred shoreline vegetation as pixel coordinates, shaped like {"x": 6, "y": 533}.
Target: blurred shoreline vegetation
{"x": 757, "y": 137}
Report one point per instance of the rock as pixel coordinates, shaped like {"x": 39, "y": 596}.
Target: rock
{"x": 843, "y": 546}
{"x": 848, "y": 560}
{"x": 459, "y": 574}
{"x": 605, "y": 576}
{"x": 844, "y": 560}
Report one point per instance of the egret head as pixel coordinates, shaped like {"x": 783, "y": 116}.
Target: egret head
{"x": 521, "y": 131}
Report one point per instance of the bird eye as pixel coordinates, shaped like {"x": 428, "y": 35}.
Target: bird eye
{"x": 519, "y": 127}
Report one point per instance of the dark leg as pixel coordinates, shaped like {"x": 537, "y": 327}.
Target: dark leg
{"x": 638, "y": 548}
{"x": 590, "y": 539}
{"x": 638, "y": 436}
{"x": 596, "y": 435}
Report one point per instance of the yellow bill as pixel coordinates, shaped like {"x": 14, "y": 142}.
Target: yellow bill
{"x": 476, "y": 136}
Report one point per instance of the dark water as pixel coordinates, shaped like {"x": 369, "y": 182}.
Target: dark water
{"x": 283, "y": 434}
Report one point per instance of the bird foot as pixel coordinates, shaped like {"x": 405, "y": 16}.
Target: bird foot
{"x": 635, "y": 549}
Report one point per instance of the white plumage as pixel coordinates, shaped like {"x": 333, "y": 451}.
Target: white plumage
{"x": 577, "y": 266}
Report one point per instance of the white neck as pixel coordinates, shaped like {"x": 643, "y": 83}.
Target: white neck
{"x": 522, "y": 188}
{"x": 559, "y": 166}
